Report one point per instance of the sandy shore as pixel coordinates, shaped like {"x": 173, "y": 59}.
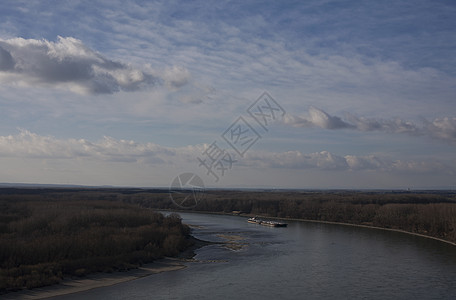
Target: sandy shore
{"x": 233, "y": 242}
{"x": 70, "y": 286}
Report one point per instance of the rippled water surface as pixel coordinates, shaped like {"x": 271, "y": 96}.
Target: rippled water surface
{"x": 302, "y": 261}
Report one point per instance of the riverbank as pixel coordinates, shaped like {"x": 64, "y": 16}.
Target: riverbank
{"x": 43, "y": 240}
{"x": 92, "y": 281}
{"x": 363, "y": 226}
{"x": 321, "y": 261}
{"x": 71, "y": 285}
{"x": 316, "y": 221}
{"x": 429, "y": 213}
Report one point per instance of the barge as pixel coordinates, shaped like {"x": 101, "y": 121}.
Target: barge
{"x": 269, "y": 223}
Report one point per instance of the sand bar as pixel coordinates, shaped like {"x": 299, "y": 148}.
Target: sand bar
{"x": 70, "y": 286}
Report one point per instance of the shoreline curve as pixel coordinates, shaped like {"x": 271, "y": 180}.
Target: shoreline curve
{"x": 317, "y": 221}
{"x": 71, "y": 285}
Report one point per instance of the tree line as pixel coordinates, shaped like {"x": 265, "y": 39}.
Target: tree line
{"x": 427, "y": 213}
{"x": 45, "y": 237}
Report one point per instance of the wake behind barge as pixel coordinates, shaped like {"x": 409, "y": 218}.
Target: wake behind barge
{"x": 269, "y": 223}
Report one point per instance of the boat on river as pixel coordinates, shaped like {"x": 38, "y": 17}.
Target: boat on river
{"x": 269, "y": 223}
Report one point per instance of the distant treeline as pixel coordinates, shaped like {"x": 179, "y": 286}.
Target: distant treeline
{"x": 428, "y": 213}
{"x": 46, "y": 236}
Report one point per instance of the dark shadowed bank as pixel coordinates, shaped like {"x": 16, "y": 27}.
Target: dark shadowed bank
{"x": 72, "y": 285}
{"x": 47, "y": 237}
{"x": 96, "y": 280}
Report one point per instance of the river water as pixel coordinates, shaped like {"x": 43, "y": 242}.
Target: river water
{"x": 303, "y": 261}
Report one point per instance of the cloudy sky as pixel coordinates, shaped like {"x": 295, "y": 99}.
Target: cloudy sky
{"x": 360, "y": 94}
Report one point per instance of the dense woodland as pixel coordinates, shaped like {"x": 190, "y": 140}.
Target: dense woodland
{"x": 46, "y": 234}
{"x": 44, "y": 237}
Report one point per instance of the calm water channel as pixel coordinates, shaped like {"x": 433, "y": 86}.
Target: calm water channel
{"x": 302, "y": 261}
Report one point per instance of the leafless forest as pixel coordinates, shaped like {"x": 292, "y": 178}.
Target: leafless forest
{"x": 48, "y": 234}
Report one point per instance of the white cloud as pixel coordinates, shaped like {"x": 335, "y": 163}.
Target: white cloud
{"x": 67, "y": 64}
{"x": 327, "y": 161}
{"x": 31, "y": 145}
{"x": 440, "y": 128}
{"x": 176, "y": 77}
{"x": 443, "y": 128}
{"x": 295, "y": 160}
{"x": 389, "y": 126}
{"x": 370, "y": 162}
{"x": 316, "y": 118}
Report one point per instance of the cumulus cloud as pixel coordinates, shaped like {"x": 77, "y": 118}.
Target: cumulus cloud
{"x": 370, "y": 162}
{"x": 69, "y": 64}
{"x": 30, "y": 145}
{"x": 440, "y": 128}
{"x": 176, "y": 77}
{"x": 389, "y": 126}
{"x": 316, "y": 118}
{"x": 325, "y": 160}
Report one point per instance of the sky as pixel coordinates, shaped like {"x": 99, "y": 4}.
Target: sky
{"x": 244, "y": 94}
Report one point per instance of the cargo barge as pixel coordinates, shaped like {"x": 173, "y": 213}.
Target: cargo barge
{"x": 269, "y": 223}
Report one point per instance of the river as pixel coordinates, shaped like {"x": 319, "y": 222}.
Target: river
{"x": 302, "y": 261}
